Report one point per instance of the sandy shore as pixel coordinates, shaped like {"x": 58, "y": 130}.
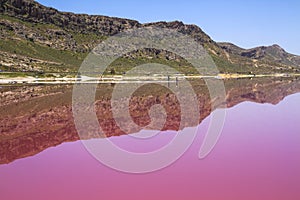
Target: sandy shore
{"x": 126, "y": 79}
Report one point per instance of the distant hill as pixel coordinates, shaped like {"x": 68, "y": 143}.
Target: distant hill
{"x": 272, "y": 53}
{"x": 36, "y": 38}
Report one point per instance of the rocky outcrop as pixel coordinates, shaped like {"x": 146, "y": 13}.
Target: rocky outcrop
{"x": 34, "y": 12}
{"x": 191, "y": 30}
{"x": 17, "y": 63}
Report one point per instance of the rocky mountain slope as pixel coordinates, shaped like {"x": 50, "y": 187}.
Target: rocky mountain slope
{"x": 35, "y": 38}
{"x": 272, "y": 53}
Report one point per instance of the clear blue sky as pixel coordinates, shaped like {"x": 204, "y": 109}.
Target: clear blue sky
{"x": 245, "y": 23}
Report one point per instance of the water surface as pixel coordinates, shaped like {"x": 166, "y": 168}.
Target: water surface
{"x": 256, "y": 157}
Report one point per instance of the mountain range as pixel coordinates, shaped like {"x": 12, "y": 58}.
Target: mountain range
{"x": 40, "y": 39}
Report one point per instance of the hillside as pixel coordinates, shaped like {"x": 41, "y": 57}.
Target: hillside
{"x": 39, "y": 39}
{"x": 272, "y": 53}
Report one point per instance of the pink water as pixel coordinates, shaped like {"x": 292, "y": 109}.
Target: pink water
{"x": 257, "y": 157}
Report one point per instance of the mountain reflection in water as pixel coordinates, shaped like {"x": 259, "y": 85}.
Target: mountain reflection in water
{"x": 34, "y": 118}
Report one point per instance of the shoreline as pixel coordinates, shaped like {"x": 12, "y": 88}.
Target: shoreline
{"x": 127, "y": 79}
